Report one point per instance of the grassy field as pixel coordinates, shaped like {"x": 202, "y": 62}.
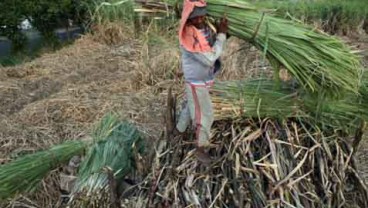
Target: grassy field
{"x": 335, "y": 16}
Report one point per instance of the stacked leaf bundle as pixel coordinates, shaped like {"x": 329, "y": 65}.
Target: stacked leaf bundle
{"x": 112, "y": 156}
{"x": 258, "y": 98}
{"x": 318, "y": 62}
{"x": 25, "y": 173}
{"x": 263, "y": 99}
{"x": 257, "y": 164}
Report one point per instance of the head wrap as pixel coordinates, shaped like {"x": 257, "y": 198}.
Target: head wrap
{"x": 197, "y": 12}
{"x": 190, "y": 37}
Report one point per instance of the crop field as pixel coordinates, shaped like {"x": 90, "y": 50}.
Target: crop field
{"x": 87, "y": 125}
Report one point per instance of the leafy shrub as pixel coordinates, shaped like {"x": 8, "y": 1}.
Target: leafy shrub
{"x": 44, "y": 15}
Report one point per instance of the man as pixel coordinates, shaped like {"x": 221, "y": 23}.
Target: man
{"x": 201, "y": 49}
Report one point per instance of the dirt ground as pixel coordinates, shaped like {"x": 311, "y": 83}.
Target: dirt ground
{"x": 60, "y": 96}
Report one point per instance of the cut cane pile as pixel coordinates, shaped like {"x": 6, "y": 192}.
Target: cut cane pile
{"x": 257, "y": 164}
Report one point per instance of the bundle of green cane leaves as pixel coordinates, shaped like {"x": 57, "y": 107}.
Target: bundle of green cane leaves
{"x": 113, "y": 146}
{"x": 256, "y": 99}
{"x": 263, "y": 99}
{"x": 114, "y": 149}
{"x": 25, "y": 173}
{"x": 318, "y": 62}
{"x": 109, "y": 159}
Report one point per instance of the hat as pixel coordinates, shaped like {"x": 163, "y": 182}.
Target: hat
{"x": 197, "y": 12}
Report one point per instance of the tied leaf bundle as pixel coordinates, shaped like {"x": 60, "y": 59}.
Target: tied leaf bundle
{"x": 254, "y": 98}
{"x": 262, "y": 99}
{"x": 115, "y": 145}
{"x": 25, "y": 173}
{"x": 318, "y": 62}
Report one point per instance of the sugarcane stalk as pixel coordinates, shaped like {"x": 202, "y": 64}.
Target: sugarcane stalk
{"x": 358, "y": 136}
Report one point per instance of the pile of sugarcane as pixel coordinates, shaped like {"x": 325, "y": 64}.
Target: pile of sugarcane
{"x": 262, "y": 163}
{"x": 272, "y": 147}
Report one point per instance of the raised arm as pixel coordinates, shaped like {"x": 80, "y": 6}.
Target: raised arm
{"x": 209, "y": 58}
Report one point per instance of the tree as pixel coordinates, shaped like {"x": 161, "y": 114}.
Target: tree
{"x": 44, "y": 15}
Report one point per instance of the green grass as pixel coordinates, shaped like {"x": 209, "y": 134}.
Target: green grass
{"x": 112, "y": 10}
{"x": 334, "y": 15}
{"x": 10, "y": 61}
{"x": 20, "y": 57}
{"x": 23, "y": 56}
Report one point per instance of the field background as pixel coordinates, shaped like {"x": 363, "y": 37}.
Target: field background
{"x": 62, "y": 94}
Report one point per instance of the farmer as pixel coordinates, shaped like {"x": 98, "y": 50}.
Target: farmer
{"x": 201, "y": 48}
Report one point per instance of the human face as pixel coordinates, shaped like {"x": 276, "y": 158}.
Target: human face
{"x": 198, "y": 22}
